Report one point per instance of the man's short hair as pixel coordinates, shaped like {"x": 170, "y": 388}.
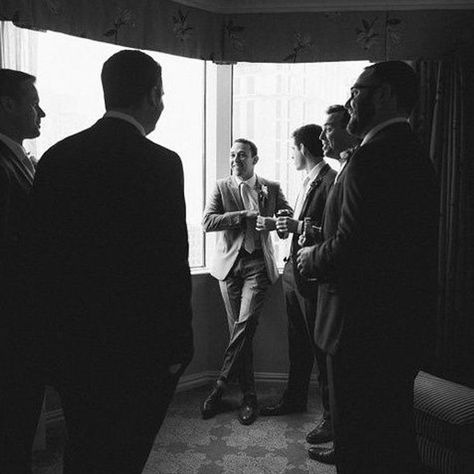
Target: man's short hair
{"x": 127, "y": 77}
{"x": 308, "y": 135}
{"x": 336, "y": 109}
{"x": 252, "y": 146}
{"x": 11, "y": 82}
{"x": 401, "y": 78}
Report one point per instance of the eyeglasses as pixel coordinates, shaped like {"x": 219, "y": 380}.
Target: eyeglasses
{"x": 358, "y": 87}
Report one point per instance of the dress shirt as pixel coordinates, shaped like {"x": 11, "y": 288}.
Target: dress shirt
{"x": 20, "y": 153}
{"x": 310, "y": 177}
{"x": 371, "y": 133}
{"x": 253, "y": 197}
{"x": 127, "y": 118}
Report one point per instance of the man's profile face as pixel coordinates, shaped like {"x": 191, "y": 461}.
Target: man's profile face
{"x": 361, "y": 104}
{"x": 334, "y": 136}
{"x": 297, "y": 156}
{"x": 27, "y": 112}
{"x": 241, "y": 160}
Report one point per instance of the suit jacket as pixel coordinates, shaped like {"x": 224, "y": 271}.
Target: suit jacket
{"x": 110, "y": 250}
{"x": 224, "y": 214}
{"x": 313, "y": 207}
{"x": 15, "y": 186}
{"x": 378, "y": 260}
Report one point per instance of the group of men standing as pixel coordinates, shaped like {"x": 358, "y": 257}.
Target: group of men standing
{"x": 361, "y": 300}
{"x": 96, "y": 284}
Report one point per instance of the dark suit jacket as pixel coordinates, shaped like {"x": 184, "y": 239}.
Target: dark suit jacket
{"x": 15, "y": 185}
{"x": 378, "y": 260}
{"x": 111, "y": 251}
{"x": 313, "y": 207}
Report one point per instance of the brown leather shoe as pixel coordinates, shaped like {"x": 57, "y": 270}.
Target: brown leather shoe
{"x": 322, "y": 455}
{"x": 212, "y": 403}
{"x": 283, "y": 407}
{"x": 248, "y": 410}
{"x": 321, "y": 434}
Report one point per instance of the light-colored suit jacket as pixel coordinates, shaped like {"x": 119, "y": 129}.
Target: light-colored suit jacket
{"x": 224, "y": 214}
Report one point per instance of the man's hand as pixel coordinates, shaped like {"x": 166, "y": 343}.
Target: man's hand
{"x": 265, "y": 223}
{"x": 250, "y": 218}
{"x": 286, "y": 225}
{"x": 304, "y": 261}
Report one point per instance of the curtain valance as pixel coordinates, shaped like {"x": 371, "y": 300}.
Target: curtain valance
{"x": 170, "y": 27}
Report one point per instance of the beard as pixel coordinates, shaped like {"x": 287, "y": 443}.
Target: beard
{"x": 360, "y": 120}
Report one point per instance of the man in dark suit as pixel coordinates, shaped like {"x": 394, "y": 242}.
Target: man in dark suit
{"x": 111, "y": 248}
{"x": 301, "y": 294}
{"x": 21, "y": 391}
{"x": 377, "y": 273}
{"x": 241, "y": 210}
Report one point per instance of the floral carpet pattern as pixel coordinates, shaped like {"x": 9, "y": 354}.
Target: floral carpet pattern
{"x": 187, "y": 444}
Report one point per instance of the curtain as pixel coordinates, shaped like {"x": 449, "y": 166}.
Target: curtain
{"x": 444, "y": 122}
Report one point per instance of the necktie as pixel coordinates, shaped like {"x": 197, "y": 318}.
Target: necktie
{"x": 250, "y": 232}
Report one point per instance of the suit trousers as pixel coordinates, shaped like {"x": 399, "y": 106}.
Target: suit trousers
{"x": 112, "y": 418}
{"x": 371, "y": 399}
{"x": 243, "y": 292}
{"x": 301, "y": 313}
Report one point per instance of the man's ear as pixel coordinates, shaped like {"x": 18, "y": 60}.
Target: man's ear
{"x": 384, "y": 93}
{"x": 255, "y": 159}
{"x": 7, "y": 103}
{"x": 303, "y": 150}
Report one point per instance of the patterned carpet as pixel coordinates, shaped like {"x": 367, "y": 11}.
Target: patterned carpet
{"x": 187, "y": 444}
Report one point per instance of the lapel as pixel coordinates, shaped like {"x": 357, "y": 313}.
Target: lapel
{"x": 262, "y": 191}
{"x": 19, "y": 168}
{"x": 315, "y": 184}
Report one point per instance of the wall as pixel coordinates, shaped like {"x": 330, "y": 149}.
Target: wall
{"x": 211, "y": 334}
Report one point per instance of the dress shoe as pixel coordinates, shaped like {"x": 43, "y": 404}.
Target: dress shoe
{"x": 283, "y": 407}
{"x": 322, "y": 455}
{"x": 248, "y": 410}
{"x": 321, "y": 434}
{"x": 211, "y": 404}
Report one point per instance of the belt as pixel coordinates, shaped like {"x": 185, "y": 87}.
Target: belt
{"x": 258, "y": 253}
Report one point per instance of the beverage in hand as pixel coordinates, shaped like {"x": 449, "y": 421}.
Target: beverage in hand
{"x": 307, "y": 238}
{"x": 283, "y": 213}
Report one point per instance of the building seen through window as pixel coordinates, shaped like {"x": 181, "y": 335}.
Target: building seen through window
{"x": 280, "y": 98}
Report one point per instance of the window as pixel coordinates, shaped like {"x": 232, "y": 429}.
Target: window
{"x": 285, "y": 97}
{"x": 68, "y": 80}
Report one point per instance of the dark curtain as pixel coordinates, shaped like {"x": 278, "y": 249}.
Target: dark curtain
{"x": 444, "y": 121}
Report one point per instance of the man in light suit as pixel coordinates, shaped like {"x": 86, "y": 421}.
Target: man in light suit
{"x": 113, "y": 279}
{"x": 301, "y": 294}
{"x": 21, "y": 390}
{"x": 377, "y": 271}
{"x": 241, "y": 210}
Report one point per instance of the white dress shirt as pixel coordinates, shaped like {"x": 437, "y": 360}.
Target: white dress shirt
{"x": 372, "y": 132}
{"x": 127, "y": 118}
{"x": 20, "y": 153}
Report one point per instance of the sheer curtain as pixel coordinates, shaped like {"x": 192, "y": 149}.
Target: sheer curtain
{"x": 444, "y": 121}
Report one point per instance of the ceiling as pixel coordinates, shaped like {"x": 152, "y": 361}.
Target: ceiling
{"x": 279, "y": 6}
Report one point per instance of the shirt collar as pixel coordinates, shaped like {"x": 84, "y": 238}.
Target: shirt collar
{"x": 250, "y": 182}
{"x": 14, "y": 146}
{"x": 128, "y": 118}
{"x": 315, "y": 170}
{"x": 382, "y": 125}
